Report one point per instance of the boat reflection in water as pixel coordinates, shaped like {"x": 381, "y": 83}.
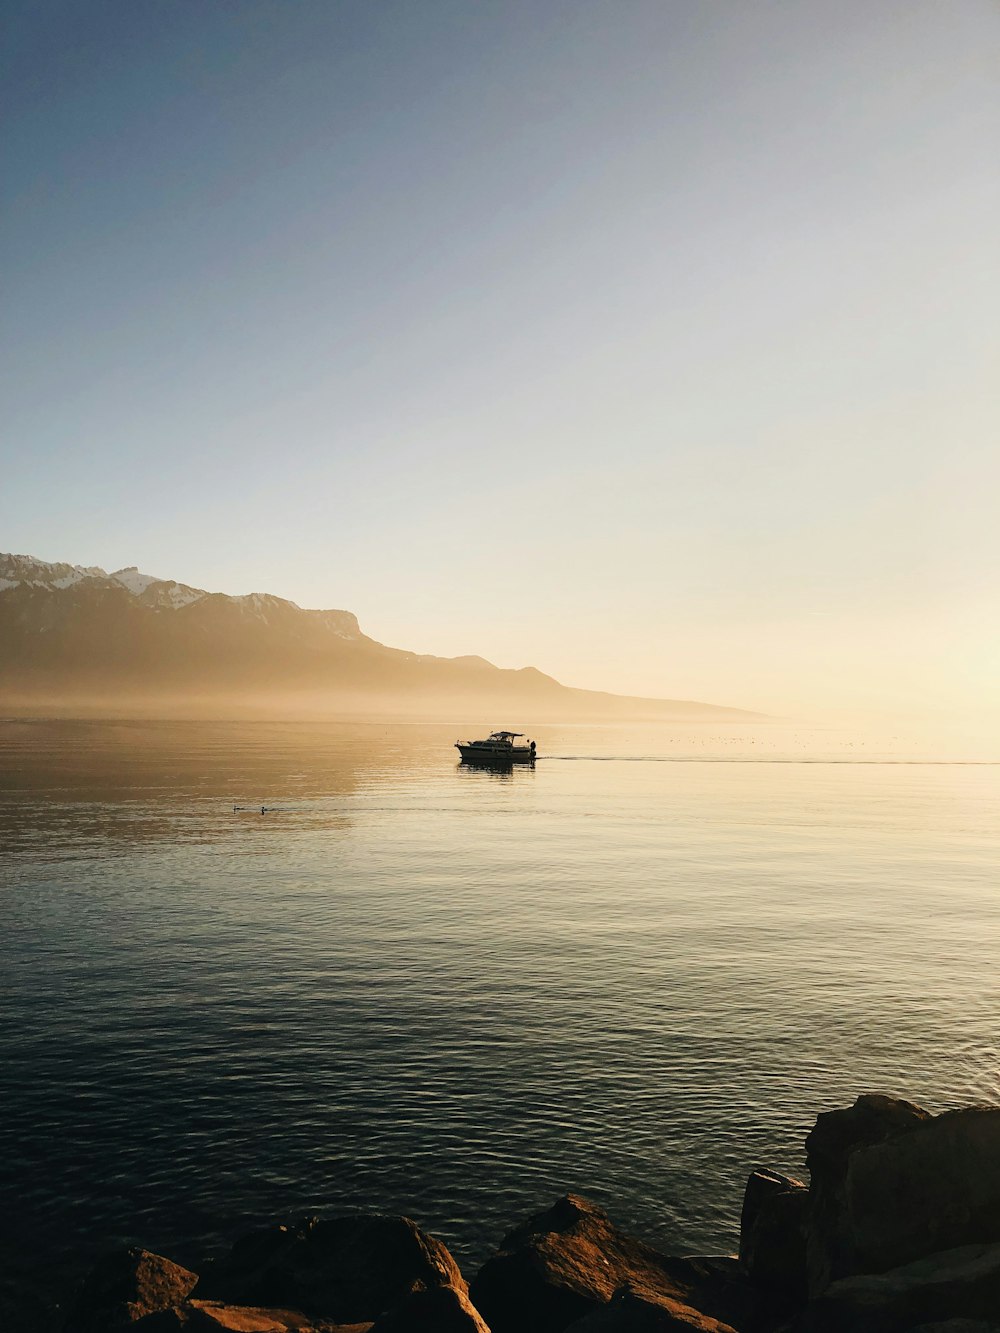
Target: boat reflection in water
{"x": 499, "y": 750}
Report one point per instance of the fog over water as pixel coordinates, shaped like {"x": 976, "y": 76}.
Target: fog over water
{"x": 637, "y": 970}
{"x": 354, "y": 351}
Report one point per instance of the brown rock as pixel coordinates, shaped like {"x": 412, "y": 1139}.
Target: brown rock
{"x": 957, "y": 1326}
{"x": 253, "y": 1261}
{"x": 963, "y": 1283}
{"x": 936, "y": 1188}
{"x": 125, "y": 1286}
{"x": 344, "y": 1269}
{"x": 215, "y": 1317}
{"x": 174, "y": 1320}
{"x": 830, "y": 1244}
{"x": 569, "y": 1261}
{"x": 932, "y": 1185}
{"x": 443, "y": 1310}
{"x": 773, "y": 1233}
{"x": 628, "y": 1312}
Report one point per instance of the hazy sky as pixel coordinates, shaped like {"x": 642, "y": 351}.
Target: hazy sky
{"x": 653, "y": 344}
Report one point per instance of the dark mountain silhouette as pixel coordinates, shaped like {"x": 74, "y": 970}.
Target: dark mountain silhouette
{"x": 76, "y": 635}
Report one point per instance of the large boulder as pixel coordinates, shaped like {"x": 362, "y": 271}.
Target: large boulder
{"x": 628, "y": 1312}
{"x": 569, "y": 1261}
{"x": 443, "y": 1310}
{"x": 957, "y": 1326}
{"x": 936, "y": 1188}
{"x": 344, "y": 1269}
{"x": 126, "y": 1285}
{"x": 959, "y": 1284}
{"x": 215, "y": 1317}
{"x": 773, "y": 1234}
{"x": 830, "y": 1248}
{"x": 255, "y": 1262}
{"x": 923, "y": 1185}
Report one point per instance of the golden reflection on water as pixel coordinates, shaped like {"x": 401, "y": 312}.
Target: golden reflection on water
{"x": 637, "y": 969}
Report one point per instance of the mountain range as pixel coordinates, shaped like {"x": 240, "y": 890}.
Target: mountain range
{"x": 75, "y": 636}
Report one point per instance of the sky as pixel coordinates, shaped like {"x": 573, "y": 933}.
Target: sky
{"x": 653, "y": 344}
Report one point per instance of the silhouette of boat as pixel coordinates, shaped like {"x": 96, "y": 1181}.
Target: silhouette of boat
{"x": 498, "y": 750}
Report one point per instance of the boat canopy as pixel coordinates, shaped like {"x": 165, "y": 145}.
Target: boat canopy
{"x": 504, "y": 735}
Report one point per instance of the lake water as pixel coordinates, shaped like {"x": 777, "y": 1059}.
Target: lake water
{"x": 637, "y": 971}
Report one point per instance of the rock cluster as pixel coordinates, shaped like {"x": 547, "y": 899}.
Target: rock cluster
{"x": 898, "y": 1231}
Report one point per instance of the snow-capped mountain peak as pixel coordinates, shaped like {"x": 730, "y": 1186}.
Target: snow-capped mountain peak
{"x": 18, "y": 569}
{"x": 25, "y": 571}
{"x": 131, "y": 578}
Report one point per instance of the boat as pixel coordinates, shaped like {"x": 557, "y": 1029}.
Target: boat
{"x": 499, "y": 748}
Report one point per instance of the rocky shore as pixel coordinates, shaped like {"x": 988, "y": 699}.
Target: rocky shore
{"x": 897, "y": 1231}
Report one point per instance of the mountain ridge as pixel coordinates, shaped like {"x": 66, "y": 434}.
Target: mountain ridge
{"x": 78, "y": 633}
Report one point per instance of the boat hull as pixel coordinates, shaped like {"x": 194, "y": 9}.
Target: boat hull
{"x": 498, "y": 757}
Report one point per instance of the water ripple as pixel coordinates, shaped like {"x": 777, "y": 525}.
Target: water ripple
{"x": 426, "y": 990}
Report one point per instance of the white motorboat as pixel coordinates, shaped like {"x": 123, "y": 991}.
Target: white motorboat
{"x": 498, "y": 748}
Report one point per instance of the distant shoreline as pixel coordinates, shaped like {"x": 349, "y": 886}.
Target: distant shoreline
{"x": 461, "y": 712}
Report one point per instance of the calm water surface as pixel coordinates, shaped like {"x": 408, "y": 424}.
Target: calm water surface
{"x": 637, "y": 971}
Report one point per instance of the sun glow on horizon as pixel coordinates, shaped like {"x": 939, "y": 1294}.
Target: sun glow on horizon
{"x": 652, "y": 350}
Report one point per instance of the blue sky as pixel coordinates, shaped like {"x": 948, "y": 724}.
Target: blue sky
{"x": 654, "y": 344}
